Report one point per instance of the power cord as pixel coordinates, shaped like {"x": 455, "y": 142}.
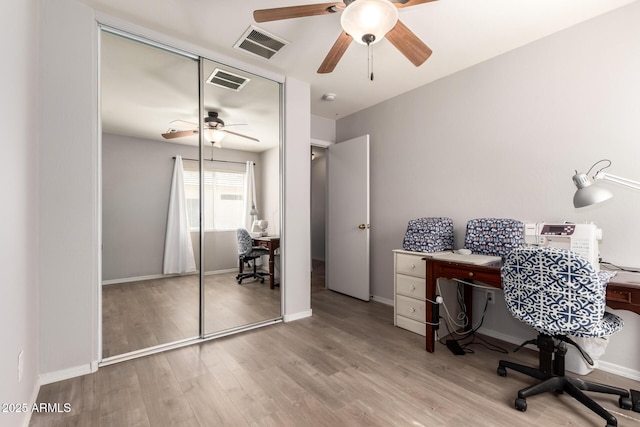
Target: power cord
{"x": 457, "y": 345}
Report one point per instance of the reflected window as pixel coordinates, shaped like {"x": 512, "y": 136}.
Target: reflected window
{"x": 223, "y": 199}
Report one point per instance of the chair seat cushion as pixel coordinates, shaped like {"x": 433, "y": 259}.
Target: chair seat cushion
{"x": 609, "y": 325}
{"x": 256, "y": 252}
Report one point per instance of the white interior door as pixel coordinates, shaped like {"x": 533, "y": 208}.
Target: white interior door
{"x": 347, "y": 265}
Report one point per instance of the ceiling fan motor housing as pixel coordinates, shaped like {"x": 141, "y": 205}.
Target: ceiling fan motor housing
{"x": 213, "y": 120}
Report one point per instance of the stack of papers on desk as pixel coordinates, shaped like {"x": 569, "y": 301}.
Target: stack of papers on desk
{"x": 466, "y": 259}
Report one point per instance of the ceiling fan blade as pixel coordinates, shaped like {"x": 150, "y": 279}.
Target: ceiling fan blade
{"x": 411, "y": 3}
{"x": 179, "y": 133}
{"x": 241, "y": 135}
{"x": 278, "y": 13}
{"x": 181, "y": 124}
{"x": 408, "y": 44}
{"x": 336, "y": 52}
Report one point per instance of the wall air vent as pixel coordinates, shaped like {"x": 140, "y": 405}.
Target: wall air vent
{"x": 227, "y": 79}
{"x": 259, "y": 42}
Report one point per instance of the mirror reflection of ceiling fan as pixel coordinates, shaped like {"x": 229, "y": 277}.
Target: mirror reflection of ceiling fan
{"x": 214, "y": 129}
{"x": 365, "y": 21}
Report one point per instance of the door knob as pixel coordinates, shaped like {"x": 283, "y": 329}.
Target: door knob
{"x": 364, "y": 226}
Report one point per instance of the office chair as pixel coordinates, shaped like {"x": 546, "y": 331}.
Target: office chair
{"x": 559, "y": 294}
{"x": 494, "y": 236}
{"x": 248, "y": 253}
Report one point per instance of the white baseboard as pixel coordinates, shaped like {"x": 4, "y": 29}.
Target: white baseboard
{"x": 384, "y": 301}
{"x": 163, "y": 276}
{"x": 602, "y": 365}
{"x": 296, "y": 316}
{"x": 65, "y": 374}
{"x": 619, "y": 370}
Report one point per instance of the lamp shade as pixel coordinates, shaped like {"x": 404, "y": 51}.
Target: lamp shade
{"x": 587, "y": 193}
{"x": 367, "y": 21}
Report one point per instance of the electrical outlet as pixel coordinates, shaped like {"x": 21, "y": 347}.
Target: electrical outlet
{"x": 20, "y": 365}
{"x": 491, "y": 297}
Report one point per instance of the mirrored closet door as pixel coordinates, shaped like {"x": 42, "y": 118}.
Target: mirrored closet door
{"x": 172, "y": 199}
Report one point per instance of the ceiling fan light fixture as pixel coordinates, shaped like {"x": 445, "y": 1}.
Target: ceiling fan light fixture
{"x": 213, "y": 135}
{"x": 367, "y": 21}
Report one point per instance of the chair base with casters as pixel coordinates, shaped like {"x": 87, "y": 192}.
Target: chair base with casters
{"x": 254, "y": 274}
{"x": 551, "y": 373}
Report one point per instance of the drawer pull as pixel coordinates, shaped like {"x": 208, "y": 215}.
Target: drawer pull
{"x": 471, "y": 274}
{"x": 413, "y": 266}
{"x": 413, "y": 287}
{"x": 413, "y": 310}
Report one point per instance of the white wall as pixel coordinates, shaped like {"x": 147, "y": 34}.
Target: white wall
{"x": 503, "y": 139}
{"x": 68, "y": 230}
{"x": 68, "y": 227}
{"x": 269, "y": 200}
{"x": 297, "y": 233}
{"x": 323, "y": 129}
{"x": 19, "y": 215}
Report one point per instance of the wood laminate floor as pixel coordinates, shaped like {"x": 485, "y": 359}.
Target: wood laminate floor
{"x": 345, "y": 366}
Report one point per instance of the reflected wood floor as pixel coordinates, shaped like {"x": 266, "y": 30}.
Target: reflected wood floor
{"x": 147, "y": 313}
{"x": 345, "y": 366}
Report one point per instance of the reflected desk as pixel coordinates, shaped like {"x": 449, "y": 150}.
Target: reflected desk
{"x": 271, "y": 243}
{"x": 623, "y": 290}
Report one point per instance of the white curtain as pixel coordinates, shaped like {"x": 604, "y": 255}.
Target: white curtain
{"x": 178, "y": 250}
{"x": 249, "y": 195}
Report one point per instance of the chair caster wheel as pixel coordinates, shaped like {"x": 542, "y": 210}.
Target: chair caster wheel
{"x": 521, "y": 404}
{"x": 625, "y": 402}
{"x": 239, "y": 281}
{"x": 262, "y": 280}
{"x": 502, "y": 371}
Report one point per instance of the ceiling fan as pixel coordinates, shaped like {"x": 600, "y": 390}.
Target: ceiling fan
{"x": 214, "y": 129}
{"x": 365, "y": 21}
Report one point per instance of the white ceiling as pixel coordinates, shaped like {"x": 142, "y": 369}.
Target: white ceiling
{"x": 461, "y": 33}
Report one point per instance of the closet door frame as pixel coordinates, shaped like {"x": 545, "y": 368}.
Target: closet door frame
{"x": 200, "y": 58}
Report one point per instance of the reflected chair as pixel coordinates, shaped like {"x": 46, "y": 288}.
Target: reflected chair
{"x": 560, "y": 295}
{"x": 247, "y": 254}
{"x": 494, "y": 236}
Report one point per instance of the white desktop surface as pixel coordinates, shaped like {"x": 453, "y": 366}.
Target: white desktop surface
{"x": 465, "y": 259}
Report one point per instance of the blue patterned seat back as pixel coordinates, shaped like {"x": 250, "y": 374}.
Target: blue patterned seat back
{"x": 245, "y": 242}
{"x": 434, "y": 234}
{"x": 245, "y": 245}
{"x": 557, "y": 292}
{"x": 494, "y": 236}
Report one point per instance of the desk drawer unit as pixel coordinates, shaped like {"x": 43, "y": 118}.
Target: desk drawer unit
{"x": 409, "y": 291}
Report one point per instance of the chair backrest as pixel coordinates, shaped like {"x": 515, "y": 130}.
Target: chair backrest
{"x": 245, "y": 242}
{"x": 494, "y": 236}
{"x": 433, "y": 234}
{"x": 554, "y": 290}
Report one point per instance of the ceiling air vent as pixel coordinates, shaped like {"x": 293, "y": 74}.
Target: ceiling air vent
{"x": 259, "y": 42}
{"x": 227, "y": 79}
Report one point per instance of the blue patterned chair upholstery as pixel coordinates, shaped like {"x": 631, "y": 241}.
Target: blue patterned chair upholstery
{"x": 494, "y": 236}
{"x": 560, "y": 295}
{"x": 247, "y": 253}
{"x": 431, "y": 234}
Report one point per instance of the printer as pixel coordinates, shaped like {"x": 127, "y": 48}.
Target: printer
{"x": 579, "y": 238}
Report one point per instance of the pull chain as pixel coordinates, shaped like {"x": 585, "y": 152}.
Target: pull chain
{"x": 370, "y": 61}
